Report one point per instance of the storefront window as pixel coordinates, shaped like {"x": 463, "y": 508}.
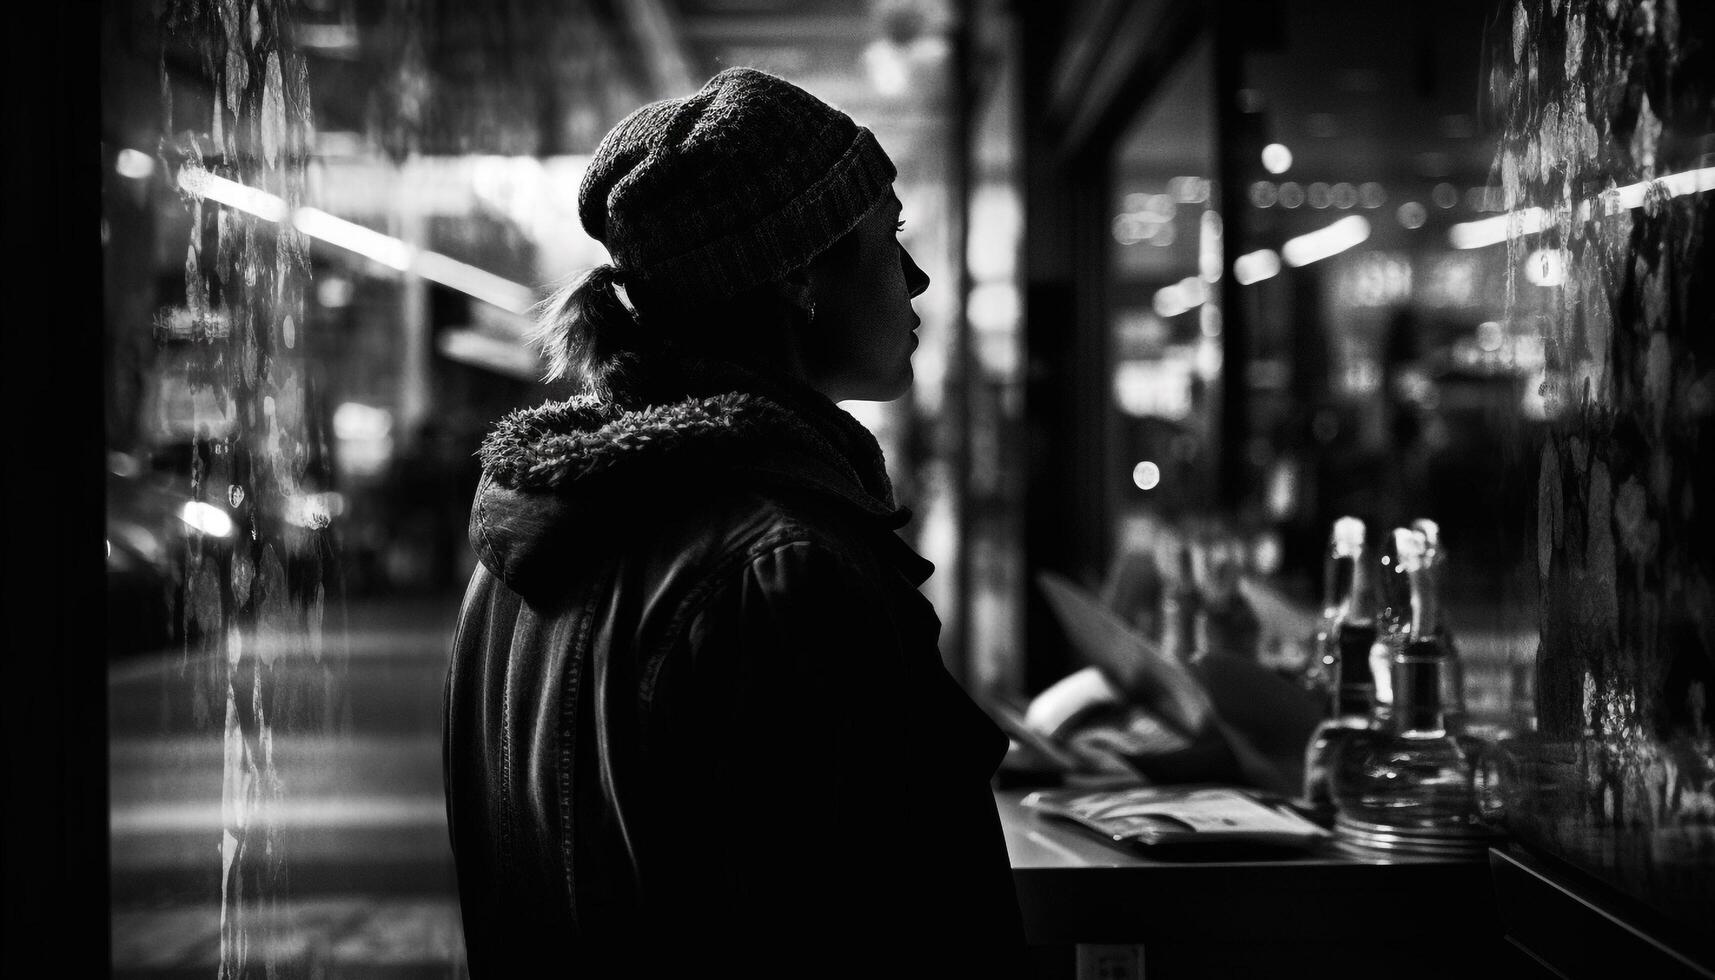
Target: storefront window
{"x": 326, "y": 226}
{"x": 1164, "y": 298}
{"x": 1385, "y": 378}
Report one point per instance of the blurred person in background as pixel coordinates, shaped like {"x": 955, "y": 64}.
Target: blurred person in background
{"x": 696, "y": 715}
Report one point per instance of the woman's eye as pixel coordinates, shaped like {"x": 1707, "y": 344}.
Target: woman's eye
{"x": 900, "y": 226}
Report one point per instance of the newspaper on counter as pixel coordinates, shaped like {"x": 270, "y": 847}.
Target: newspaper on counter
{"x": 1175, "y": 815}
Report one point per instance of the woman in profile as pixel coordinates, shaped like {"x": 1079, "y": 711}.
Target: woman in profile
{"x": 696, "y": 717}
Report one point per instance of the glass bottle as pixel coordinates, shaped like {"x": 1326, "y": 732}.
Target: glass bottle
{"x": 1393, "y": 624}
{"x": 1346, "y": 537}
{"x": 1416, "y": 774}
{"x": 1350, "y": 632}
{"x": 1477, "y": 748}
{"x": 1453, "y": 671}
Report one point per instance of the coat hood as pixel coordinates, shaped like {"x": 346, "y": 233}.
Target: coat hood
{"x": 564, "y": 471}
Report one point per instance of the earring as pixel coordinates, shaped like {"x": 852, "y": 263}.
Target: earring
{"x": 812, "y": 318}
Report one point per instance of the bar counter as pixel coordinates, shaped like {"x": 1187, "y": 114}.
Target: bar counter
{"x": 1328, "y": 913}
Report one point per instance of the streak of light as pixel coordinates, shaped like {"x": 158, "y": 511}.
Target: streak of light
{"x": 472, "y": 281}
{"x": 1493, "y": 231}
{"x": 1182, "y": 297}
{"x": 1324, "y": 242}
{"x": 231, "y": 193}
{"x": 1256, "y": 266}
{"x": 1676, "y": 185}
{"x": 353, "y": 237}
{"x": 342, "y": 812}
{"x": 207, "y": 518}
{"x": 385, "y": 249}
{"x": 1530, "y": 221}
{"x": 134, "y": 164}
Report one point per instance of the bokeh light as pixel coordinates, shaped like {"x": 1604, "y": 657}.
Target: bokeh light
{"x": 1276, "y": 158}
{"x": 1146, "y": 475}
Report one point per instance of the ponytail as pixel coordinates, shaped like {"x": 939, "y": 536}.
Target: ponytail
{"x": 592, "y": 337}
{"x": 586, "y": 332}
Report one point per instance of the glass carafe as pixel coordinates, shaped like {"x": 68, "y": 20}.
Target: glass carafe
{"x": 1418, "y": 775}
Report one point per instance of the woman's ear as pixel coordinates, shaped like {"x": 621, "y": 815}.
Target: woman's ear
{"x": 794, "y": 341}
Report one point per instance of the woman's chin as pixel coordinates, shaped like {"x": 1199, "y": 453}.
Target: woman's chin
{"x": 881, "y": 392}
{"x": 901, "y": 385}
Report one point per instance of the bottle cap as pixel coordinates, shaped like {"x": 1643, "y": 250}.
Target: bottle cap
{"x": 1348, "y": 536}
{"x": 1411, "y": 549}
{"x": 1431, "y": 532}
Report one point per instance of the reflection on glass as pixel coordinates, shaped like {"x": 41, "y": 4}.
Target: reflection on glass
{"x": 325, "y": 238}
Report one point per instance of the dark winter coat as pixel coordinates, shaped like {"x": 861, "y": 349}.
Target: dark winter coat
{"x": 696, "y": 717}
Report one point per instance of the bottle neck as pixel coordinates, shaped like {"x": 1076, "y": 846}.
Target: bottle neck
{"x": 1393, "y": 596}
{"x": 1360, "y": 579}
{"x": 1418, "y": 706}
{"x": 1425, "y": 605}
{"x": 1355, "y": 687}
{"x": 1359, "y": 605}
{"x": 1336, "y": 583}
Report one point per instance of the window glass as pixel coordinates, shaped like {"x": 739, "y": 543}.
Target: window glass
{"x": 326, "y": 225}
{"x": 1164, "y": 335}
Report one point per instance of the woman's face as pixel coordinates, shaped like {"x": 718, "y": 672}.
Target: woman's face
{"x": 859, "y": 344}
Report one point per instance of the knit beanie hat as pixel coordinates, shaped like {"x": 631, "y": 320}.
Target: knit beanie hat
{"x": 735, "y": 186}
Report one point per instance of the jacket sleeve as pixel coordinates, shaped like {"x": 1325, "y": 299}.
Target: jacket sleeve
{"x": 812, "y": 709}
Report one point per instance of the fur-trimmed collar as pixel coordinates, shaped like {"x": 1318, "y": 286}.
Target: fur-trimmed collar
{"x": 725, "y": 412}
{"x": 570, "y": 474}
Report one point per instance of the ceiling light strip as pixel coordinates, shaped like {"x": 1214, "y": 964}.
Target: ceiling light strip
{"x": 389, "y": 251}
{"x": 1530, "y": 221}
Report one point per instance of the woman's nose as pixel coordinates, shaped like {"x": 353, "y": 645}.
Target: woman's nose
{"x": 916, "y": 280}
